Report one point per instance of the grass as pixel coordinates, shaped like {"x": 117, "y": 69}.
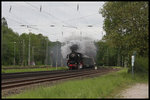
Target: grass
{"x": 4, "y": 66}
{"x": 98, "y": 87}
{"x": 32, "y": 69}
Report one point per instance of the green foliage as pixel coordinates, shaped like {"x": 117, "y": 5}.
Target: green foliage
{"x": 141, "y": 65}
{"x": 100, "y": 53}
{"x": 126, "y": 25}
{"x": 17, "y": 47}
{"x": 8, "y": 39}
{"x": 106, "y": 55}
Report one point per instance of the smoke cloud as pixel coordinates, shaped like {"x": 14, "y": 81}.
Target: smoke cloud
{"x": 84, "y": 45}
{"x": 74, "y": 47}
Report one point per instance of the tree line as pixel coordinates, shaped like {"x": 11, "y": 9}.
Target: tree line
{"x": 126, "y": 26}
{"x": 15, "y": 47}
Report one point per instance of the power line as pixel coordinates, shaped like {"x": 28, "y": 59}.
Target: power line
{"x": 51, "y": 15}
{"x": 59, "y": 19}
{"x": 18, "y": 17}
{"x": 28, "y": 25}
{"x": 81, "y": 17}
{"x": 36, "y": 29}
{"x": 18, "y": 22}
{"x": 13, "y": 20}
{"x": 36, "y": 8}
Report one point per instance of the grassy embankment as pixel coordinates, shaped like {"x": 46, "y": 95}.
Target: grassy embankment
{"x": 32, "y": 69}
{"x": 99, "y": 87}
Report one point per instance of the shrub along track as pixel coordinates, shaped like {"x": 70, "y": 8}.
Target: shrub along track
{"x": 15, "y": 80}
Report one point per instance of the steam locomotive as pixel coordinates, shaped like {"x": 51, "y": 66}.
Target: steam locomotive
{"x": 77, "y": 60}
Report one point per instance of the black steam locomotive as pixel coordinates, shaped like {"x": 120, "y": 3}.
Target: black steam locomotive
{"x": 77, "y": 60}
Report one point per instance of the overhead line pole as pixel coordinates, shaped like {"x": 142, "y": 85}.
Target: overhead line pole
{"x": 57, "y": 56}
{"x": 46, "y": 54}
{"x": 14, "y": 53}
{"x": 29, "y": 51}
{"x": 23, "y": 54}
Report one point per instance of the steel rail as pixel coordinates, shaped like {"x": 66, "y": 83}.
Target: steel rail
{"x": 51, "y": 78}
{"x": 7, "y": 81}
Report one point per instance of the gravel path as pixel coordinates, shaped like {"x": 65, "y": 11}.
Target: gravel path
{"x": 136, "y": 91}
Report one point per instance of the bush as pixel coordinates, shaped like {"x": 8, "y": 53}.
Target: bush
{"x": 140, "y": 65}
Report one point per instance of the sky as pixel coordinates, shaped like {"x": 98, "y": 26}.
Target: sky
{"x": 70, "y": 19}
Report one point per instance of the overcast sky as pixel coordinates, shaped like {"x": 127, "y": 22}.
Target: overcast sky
{"x": 64, "y": 16}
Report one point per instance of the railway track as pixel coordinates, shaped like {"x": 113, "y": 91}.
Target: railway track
{"x": 6, "y": 76}
{"x": 24, "y": 80}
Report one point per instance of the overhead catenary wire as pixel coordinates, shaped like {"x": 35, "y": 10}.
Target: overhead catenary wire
{"x": 14, "y": 20}
{"x": 23, "y": 20}
{"x": 82, "y": 17}
{"x": 36, "y": 9}
{"x": 51, "y": 15}
{"x": 69, "y": 19}
{"x": 43, "y": 31}
{"x": 27, "y": 24}
{"x": 78, "y": 12}
{"x": 40, "y": 9}
{"x": 62, "y": 21}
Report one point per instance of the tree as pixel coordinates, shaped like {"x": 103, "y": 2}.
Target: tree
{"x": 106, "y": 55}
{"x": 9, "y": 48}
{"x": 17, "y": 47}
{"x": 126, "y": 26}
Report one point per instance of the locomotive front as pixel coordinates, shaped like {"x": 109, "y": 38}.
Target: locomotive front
{"x": 74, "y": 60}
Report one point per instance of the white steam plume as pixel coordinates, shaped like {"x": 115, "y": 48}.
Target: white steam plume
{"x": 86, "y": 46}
